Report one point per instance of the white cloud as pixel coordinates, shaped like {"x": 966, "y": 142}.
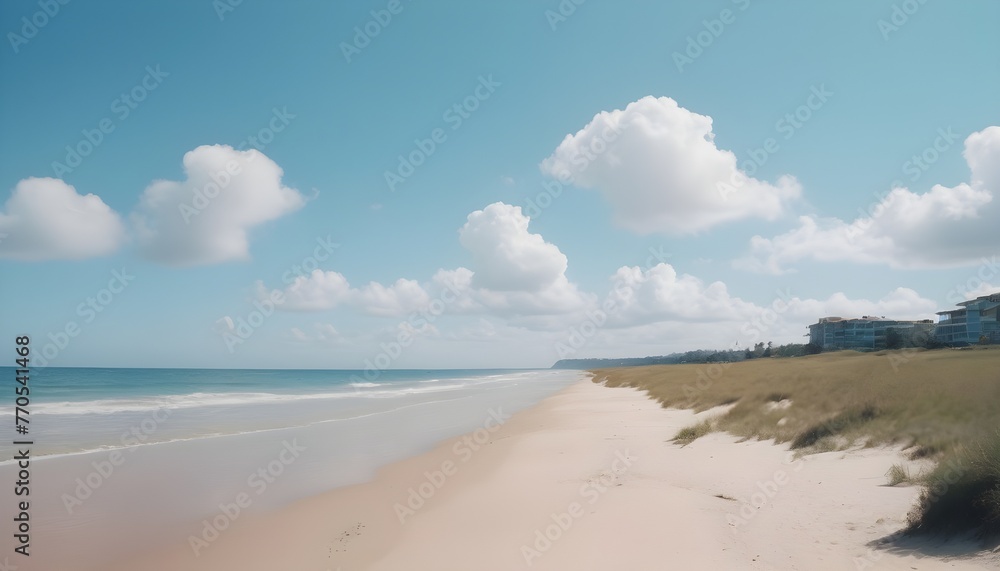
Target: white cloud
{"x": 980, "y": 288}
{"x": 206, "y": 218}
{"x": 45, "y": 219}
{"x": 659, "y": 293}
{"x": 481, "y": 330}
{"x": 900, "y": 303}
{"x": 400, "y": 298}
{"x": 458, "y": 284}
{"x": 658, "y": 166}
{"x": 679, "y": 312}
{"x": 516, "y": 273}
{"x": 507, "y": 257}
{"x": 322, "y": 290}
{"x": 315, "y": 292}
{"x": 943, "y": 227}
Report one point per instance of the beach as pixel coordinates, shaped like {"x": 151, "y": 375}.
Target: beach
{"x": 126, "y": 461}
{"x": 499, "y": 286}
{"x": 587, "y": 479}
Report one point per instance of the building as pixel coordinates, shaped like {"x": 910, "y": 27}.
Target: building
{"x": 976, "y": 320}
{"x": 868, "y": 332}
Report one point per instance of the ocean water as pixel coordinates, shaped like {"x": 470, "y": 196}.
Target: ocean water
{"x": 76, "y": 410}
{"x": 126, "y": 460}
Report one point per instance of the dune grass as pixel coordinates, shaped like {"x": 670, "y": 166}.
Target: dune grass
{"x": 962, "y": 493}
{"x": 898, "y": 474}
{"x": 941, "y": 404}
{"x": 691, "y": 433}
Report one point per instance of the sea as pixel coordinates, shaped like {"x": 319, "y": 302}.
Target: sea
{"x": 79, "y": 410}
{"x": 128, "y": 460}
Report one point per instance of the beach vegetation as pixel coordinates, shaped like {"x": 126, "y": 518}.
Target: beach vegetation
{"x": 689, "y": 434}
{"x": 962, "y": 493}
{"x": 937, "y": 405}
{"x": 898, "y": 474}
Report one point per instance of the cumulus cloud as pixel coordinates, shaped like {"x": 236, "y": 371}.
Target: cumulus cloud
{"x": 322, "y": 290}
{"x": 314, "y": 292}
{"x": 660, "y": 293}
{"x": 900, "y": 303}
{"x": 656, "y": 163}
{"x": 206, "y": 218}
{"x": 682, "y": 308}
{"x": 782, "y": 320}
{"x": 515, "y": 273}
{"x": 46, "y": 219}
{"x": 508, "y": 257}
{"x": 401, "y": 298}
{"x": 946, "y": 226}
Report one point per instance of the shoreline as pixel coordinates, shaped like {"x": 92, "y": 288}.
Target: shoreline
{"x": 586, "y": 479}
{"x": 91, "y": 510}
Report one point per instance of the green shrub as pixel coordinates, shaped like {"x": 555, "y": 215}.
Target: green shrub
{"x": 963, "y": 492}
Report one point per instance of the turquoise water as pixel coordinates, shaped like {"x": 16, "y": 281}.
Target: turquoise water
{"x": 75, "y": 410}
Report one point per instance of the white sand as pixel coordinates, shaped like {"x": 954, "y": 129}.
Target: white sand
{"x": 598, "y": 461}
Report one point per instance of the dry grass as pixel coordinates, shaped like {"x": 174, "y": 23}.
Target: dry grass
{"x": 943, "y": 403}
{"x": 934, "y": 400}
{"x": 691, "y": 433}
{"x": 898, "y": 474}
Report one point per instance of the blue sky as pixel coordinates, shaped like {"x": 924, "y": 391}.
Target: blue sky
{"x": 640, "y": 250}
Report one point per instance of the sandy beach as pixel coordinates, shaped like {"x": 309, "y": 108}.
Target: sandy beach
{"x": 588, "y": 479}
